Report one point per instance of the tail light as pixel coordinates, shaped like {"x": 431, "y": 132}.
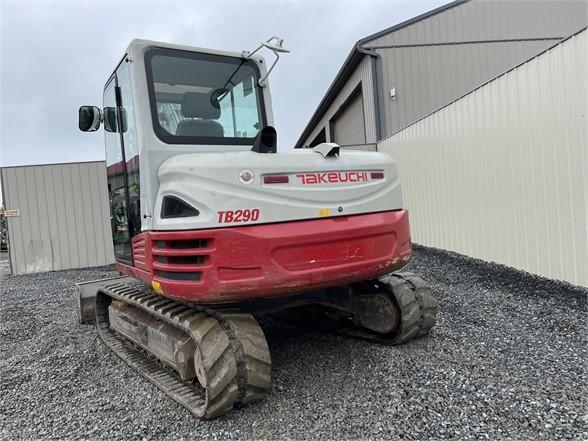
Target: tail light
{"x": 276, "y": 179}
{"x": 377, "y": 175}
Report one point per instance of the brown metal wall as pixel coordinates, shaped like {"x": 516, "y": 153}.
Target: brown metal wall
{"x": 434, "y": 61}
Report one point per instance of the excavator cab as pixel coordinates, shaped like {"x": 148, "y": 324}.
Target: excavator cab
{"x": 162, "y": 101}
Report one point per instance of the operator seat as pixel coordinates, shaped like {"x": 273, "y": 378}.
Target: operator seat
{"x": 202, "y": 109}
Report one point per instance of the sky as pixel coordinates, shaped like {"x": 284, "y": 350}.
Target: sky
{"x": 57, "y": 55}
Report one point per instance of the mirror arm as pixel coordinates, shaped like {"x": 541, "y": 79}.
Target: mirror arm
{"x": 275, "y": 48}
{"x": 261, "y": 81}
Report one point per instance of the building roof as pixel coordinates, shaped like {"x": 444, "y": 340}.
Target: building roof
{"x": 352, "y": 61}
{"x": 51, "y": 164}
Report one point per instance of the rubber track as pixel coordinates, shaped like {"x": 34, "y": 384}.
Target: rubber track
{"x": 416, "y": 304}
{"x": 236, "y": 365}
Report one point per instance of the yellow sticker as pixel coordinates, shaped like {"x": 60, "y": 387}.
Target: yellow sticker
{"x": 324, "y": 212}
{"x": 156, "y": 287}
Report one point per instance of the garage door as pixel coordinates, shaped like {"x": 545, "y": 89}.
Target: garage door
{"x": 348, "y": 125}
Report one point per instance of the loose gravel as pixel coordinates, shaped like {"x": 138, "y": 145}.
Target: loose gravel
{"x": 506, "y": 361}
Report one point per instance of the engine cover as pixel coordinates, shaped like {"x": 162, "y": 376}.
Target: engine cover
{"x": 243, "y": 188}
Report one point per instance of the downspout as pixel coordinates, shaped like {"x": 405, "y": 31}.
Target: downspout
{"x": 377, "y": 78}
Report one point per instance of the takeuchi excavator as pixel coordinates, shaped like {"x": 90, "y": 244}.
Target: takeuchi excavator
{"x": 213, "y": 227}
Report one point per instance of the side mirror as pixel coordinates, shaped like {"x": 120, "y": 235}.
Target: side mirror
{"x": 89, "y": 118}
{"x": 110, "y": 122}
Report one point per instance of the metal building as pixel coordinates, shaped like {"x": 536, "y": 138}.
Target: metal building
{"x": 502, "y": 173}
{"x": 60, "y": 216}
{"x": 394, "y": 77}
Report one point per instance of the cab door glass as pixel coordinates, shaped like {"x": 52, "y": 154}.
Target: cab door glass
{"x": 131, "y": 148}
{"x": 116, "y": 183}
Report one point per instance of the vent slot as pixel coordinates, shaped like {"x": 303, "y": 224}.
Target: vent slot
{"x": 187, "y": 244}
{"x": 178, "y": 276}
{"x": 181, "y": 260}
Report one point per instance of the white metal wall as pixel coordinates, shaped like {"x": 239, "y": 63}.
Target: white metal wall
{"x": 502, "y": 173}
{"x": 64, "y": 217}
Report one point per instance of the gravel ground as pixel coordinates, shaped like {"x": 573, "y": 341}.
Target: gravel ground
{"x": 506, "y": 361}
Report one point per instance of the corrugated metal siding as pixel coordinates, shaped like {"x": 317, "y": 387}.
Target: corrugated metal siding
{"x": 349, "y": 127}
{"x": 363, "y": 74}
{"x": 427, "y": 78}
{"x": 493, "y": 19}
{"x": 64, "y": 216}
{"x": 502, "y": 173}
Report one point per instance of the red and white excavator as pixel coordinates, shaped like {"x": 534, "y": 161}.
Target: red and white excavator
{"x": 213, "y": 226}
